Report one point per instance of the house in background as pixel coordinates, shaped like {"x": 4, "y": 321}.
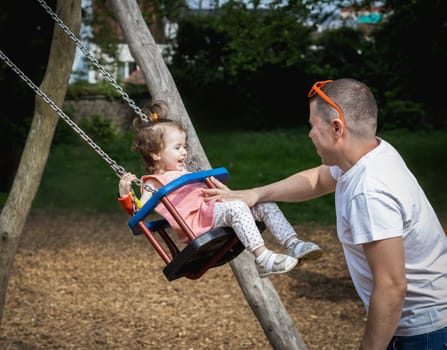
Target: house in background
{"x": 122, "y": 67}
{"x": 364, "y": 19}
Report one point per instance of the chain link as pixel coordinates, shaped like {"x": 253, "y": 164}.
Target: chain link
{"x": 93, "y": 59}
{"x": 118, "y": 169}
{"x": 106, "y": 74}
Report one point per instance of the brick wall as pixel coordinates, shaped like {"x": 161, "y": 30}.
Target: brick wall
{"x": 117, "y": 110}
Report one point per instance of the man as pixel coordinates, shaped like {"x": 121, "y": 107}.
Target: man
{"x": 395, "y": 246}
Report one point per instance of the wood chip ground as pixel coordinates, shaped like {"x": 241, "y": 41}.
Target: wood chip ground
{"x": 85, "y": 282}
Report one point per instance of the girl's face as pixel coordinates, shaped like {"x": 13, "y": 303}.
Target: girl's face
{"x": 174, "y": 154}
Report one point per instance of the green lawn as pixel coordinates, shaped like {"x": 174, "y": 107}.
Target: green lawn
{"x": 259, "y": 158}
{"x": 77, "y": 178}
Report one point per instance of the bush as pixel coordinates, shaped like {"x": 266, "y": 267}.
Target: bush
{"x": 404, "y": 114}
{"x": 83, "y": 88}
{"x": 99, "y": 128}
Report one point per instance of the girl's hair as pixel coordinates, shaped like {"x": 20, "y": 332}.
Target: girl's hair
{"x": 150, "y": 136}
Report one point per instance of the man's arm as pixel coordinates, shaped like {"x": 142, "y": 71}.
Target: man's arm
{"x": 307, "y": 184}
{"x": 386, "y": 261}
{"x": 302, "y": 186}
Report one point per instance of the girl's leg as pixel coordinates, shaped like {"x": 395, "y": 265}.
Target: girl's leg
{"x": 237, "y": 214}
{"x": 277, "y": 224}
{"x": 275, "y": 221}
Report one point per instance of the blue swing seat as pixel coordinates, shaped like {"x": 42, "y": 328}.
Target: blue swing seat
{"x": 211, "y": 249}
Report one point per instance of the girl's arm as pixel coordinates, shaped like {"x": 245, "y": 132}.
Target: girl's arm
{"x": 125, "y": 196}
{"x": 126, "y": 183}
{"x": 147, "y": 194}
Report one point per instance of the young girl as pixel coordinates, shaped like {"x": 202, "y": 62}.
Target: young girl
{"x": 162, "y": 145}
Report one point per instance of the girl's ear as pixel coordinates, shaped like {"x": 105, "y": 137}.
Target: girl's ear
{"x": 155, "y": 156}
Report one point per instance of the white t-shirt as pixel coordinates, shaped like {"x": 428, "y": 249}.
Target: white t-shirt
{"x": 379, "y": 198}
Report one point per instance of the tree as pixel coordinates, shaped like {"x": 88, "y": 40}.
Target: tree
{"x": 37, "y": 147}
{"x": 260, "y": 294}
{"x": 107, "y": 34}
{"x": 411, "y": 45}
{"x": 235, "y": 52}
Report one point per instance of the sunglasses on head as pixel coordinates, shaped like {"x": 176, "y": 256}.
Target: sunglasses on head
{"x": 316, "y": 89}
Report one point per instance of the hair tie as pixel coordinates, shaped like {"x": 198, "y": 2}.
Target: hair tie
{"x": 154, "y": 117}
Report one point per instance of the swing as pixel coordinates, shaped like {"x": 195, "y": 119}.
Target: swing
{"x": 211, "y": 249}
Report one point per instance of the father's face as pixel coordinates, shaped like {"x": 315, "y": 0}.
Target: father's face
{"x": 321, "y": 134}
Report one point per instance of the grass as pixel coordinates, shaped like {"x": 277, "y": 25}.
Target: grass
{"x": 258, "y": 158}
{"x": 78, "y": 178}
{"x": 425, "y": 154}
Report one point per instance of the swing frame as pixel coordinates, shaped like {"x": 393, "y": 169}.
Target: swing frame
{"x": 214, "y": 248}
{"x": 211, "y": 249}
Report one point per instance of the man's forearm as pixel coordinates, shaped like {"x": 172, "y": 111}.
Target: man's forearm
{"x": 302, "y": 186}
{"x": 384, "y": 313}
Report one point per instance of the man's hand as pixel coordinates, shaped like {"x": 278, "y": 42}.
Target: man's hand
{"x": 223, "y": 193}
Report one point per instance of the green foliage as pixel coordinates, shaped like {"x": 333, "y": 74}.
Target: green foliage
{"x": 77, "y": 178}
{"x": 136, "y": 90}
{"x": 199, "y": 52}
{"x": 99, "y": 128}
{"x": 239, "y": 39}
{"x": 425, "y": 152}
{"x": 248, "y": 58}
{"x": 83, "y": 89}
{"x": 26, "y": 42}
{"x": 336, "y": 53}
{"x": 63, "y": 133}
{"x": 258, "y": 158}
{"x": 107, "y": 35}
{"x": 412, "y": 48}
{"x": 403, "y": 114}
{"x": 259, "y": 37}
{"x": 245, "y": 58}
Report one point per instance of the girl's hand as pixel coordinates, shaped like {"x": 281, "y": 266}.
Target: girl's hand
{"x": 125, "y": 184}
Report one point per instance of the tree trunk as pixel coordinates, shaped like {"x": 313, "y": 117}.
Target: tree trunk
{"x": 158, "y": 78}
{"x": 37, "y": 147}
{"x": 260, "y": 294}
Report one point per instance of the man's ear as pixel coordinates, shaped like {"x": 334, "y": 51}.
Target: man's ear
{"x": 338, "y": 126}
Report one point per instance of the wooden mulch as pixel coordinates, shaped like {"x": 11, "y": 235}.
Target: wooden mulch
{"x": 85, "y": 282}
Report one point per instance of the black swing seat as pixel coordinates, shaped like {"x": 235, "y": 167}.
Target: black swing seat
{"x": 211, "y": 249}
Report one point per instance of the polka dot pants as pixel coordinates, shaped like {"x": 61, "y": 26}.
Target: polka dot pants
{"x": 242, "y": 219}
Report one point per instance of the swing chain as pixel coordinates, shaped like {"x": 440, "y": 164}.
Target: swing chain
{"x": 105, "y": 73}
{"x": 93, "y": 59}
{"x": 118, "y": 169}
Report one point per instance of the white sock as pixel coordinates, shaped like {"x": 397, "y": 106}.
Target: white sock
{"x": 261, "y": 256}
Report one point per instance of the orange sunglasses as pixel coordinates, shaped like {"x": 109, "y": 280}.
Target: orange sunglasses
{"x": 316, "y": 89}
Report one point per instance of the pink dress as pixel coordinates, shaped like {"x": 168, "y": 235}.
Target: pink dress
{"x": 188, "y": 200}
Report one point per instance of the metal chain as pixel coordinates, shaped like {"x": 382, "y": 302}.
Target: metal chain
{"x": 118, "y": 169}
{"x": 106, "y": 74}
{"x": 93, "y": 59}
